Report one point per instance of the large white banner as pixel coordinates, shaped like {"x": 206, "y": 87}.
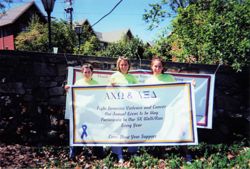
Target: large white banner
{"x": 134, "y": 115}
{"x": 204, "y": 90}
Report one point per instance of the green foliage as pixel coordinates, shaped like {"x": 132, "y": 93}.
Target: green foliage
{"x": 132, "y": 48}
{"x": 205, "y": 31}
{"x": 87, "y": 33}
{"x": 63, "y": 36}
{"x": 159, "y": 11}
{"x": 144, "y": 161}
{"x": 108, "y": 161}
{"x": 89, "y": 43}
{"x": 34, "y": 39}
{"x": 242, "y": 160}
{"x": 214, "y": 32}
{"x": 89, "y": 47}
{"x": 156, "y": 14}
{"x": 236, "y": 155}
{"x": 218, "y": 160}
{"x": 174, "y": 161}
{"x": 161, "y": 48}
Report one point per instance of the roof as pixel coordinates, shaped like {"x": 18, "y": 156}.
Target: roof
{"x": 82, "y": 22}
{"x": 13, "y": 14}
{"x": 108, "y": 37}
{"x": 113, "y": 36}
{"x": 85, "y": 22}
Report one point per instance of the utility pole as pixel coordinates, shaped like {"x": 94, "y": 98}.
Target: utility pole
{"x": 69, "y": 10}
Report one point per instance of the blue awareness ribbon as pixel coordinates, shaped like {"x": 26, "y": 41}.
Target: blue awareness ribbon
{"x": 84, "y": 131}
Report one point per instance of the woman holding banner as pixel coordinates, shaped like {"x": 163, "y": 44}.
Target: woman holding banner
{"x": 122, "y": 77}
{"x": 86, "y": 80}
{"x": 157, "y": 67}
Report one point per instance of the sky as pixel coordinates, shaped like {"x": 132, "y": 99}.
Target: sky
{"x": 128, "y": 15}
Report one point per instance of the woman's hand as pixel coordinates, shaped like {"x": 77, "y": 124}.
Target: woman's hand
{"x": 66, "y": 87}
{"x": 113, "y": 84}
{"x": 193, "y": 82}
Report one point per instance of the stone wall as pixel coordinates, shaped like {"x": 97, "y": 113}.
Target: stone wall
{"x": 32, "y": 98}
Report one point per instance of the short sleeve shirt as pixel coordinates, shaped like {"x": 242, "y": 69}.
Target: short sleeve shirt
{"x": 119, "y": 78}
{"x": 162, "y": 78}
{"x": 82, "y": 82}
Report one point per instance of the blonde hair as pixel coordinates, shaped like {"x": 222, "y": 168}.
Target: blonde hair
{"x": 159, "y": 59}
{"x": 119, "y": 61}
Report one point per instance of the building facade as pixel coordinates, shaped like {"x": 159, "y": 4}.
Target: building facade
{"x": 16, "y": 20}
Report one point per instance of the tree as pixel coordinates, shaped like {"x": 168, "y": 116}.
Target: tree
{"x": 159, "y": 11}
{"x": 36, "y": 37}
{"x": 213, "y": 32}
{"x": 132, "y": 48}
{"x": 208, "y": 31}
{"x": 90, "y": 46}
{"x": 63, "y": 36}
{"x": 161, "y": 47}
